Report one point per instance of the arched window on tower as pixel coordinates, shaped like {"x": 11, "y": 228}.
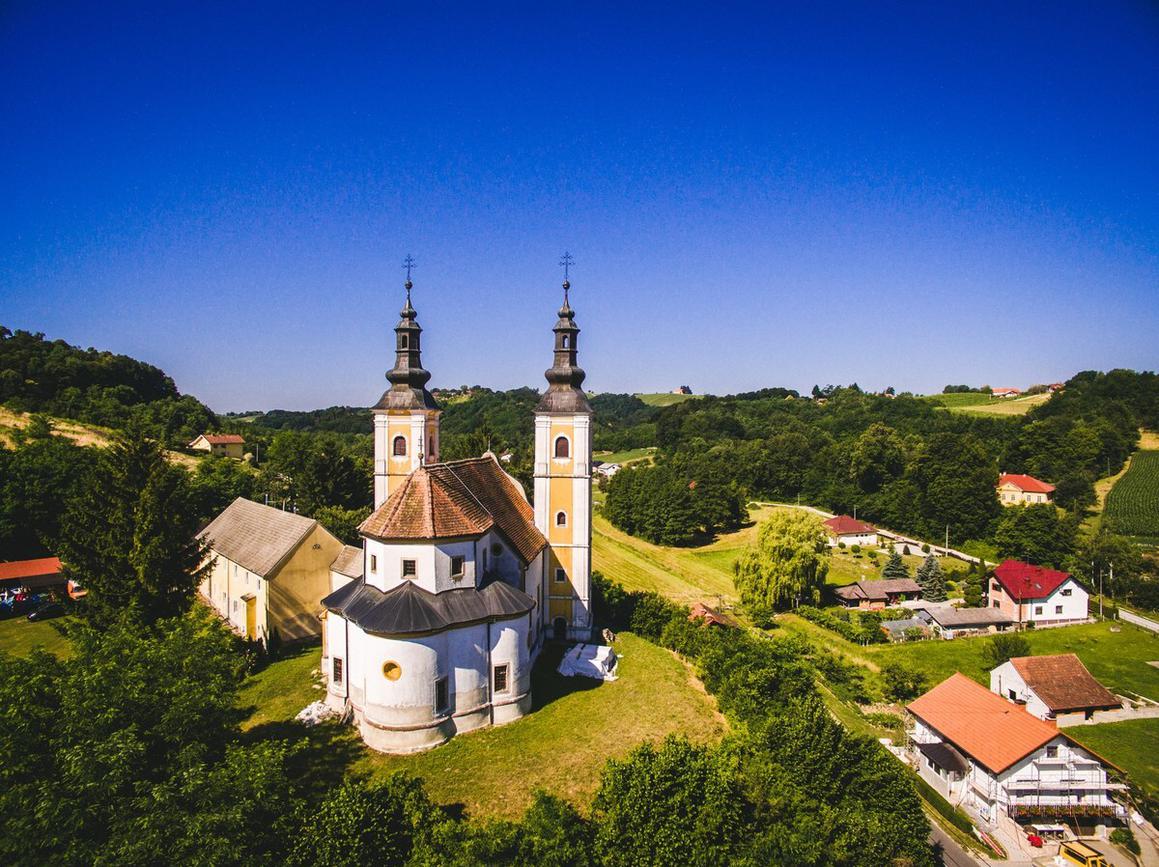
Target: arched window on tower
{"x": 565, "y": 341}
{"x": 403, "y": 340}
{"x": 399, "y": 447}
{"x": 561, "y": 519}
{"x": 562, "y": 447}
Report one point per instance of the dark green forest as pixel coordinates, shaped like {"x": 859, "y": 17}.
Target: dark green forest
{"x": 95, "y": 387}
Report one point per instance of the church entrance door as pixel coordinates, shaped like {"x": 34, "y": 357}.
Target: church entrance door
{"x": 559, "y": 629}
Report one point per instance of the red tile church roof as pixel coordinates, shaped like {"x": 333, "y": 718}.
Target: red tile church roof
{"x": 461, "y": 498}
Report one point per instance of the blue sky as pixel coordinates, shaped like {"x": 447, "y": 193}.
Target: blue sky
{"x": 893, "y": 194}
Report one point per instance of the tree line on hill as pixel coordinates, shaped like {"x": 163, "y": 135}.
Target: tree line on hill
{"x": 901, "y": 461}
{"x": 94, "y": 387}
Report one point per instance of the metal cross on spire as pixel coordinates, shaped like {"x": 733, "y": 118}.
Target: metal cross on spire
{"x": 566, "y": 261}
{"x": 408, "y": 263}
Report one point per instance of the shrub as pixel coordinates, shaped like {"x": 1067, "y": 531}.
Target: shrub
{"x": 1125, "y": 838}
{"x": 925, "y": 547}
{"x": 867, "y": 630}
{"x": 1003, "y": 647}
{"x": 651, "y": 614}
{"x": 855, "y": 548}
{"x": 901, "y": 683}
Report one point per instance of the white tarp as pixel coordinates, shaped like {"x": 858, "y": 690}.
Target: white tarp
{"x": 589, "y": 660}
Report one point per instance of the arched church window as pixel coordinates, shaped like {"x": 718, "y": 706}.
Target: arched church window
{"x": 403, "y": 339}
{"x": 562, "y": 447}
{"x": 565, "y": 341}
{"x": 561, "y": 519}
{"x": 399, "y": 447}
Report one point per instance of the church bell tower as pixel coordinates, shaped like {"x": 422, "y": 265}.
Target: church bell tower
{"x": 406, "y": 419}
{"x": 563, "y": 483}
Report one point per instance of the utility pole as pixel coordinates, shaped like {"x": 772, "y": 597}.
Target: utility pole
{"x": 1101, "y": 594}
{"x": 947, "y": 540}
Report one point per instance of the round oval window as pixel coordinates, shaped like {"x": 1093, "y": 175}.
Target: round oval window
{"x": 496, "y": 550}
{"x": 391, "y": 670}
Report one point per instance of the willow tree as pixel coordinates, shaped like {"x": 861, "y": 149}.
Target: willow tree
{"x": 788, "y": 564}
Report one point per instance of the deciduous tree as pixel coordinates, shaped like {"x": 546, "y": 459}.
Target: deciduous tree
{"x": 789, "y": 562}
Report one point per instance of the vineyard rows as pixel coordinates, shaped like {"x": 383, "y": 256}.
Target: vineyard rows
{"x": 1133, "y": 504}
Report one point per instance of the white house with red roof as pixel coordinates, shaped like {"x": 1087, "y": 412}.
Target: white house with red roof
{"x": 991, "y": 755}
{"x": 1017, "y": 489}
{"x": 1005, "y": 392}
{"x": 220, "y": 445}
{"x": 1035, "y": 594}
{"x": 850, "y": 531}
{"x": 1056, "y": 687}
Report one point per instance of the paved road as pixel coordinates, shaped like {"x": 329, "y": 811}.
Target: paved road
{"x": 953, "y": 854}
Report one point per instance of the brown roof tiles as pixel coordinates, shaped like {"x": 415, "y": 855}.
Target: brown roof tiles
{"x": 461, "y": 498}
{"x": 1063, "y": 683}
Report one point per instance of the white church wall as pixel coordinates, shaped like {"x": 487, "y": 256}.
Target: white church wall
{"x": 335, "y": 649}
{"x": 384, "y": 565}
{"x": 444, "y": 553}
{"x": 498, "y": 558}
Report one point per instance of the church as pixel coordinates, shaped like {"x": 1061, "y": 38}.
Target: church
{"x": 463, "y": 578}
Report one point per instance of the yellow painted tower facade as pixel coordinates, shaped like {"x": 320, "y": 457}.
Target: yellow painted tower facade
{"x": 563, "y": 486}
{"x": 406, "y": 419}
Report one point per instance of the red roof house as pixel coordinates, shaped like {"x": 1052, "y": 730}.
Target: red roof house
{"x": 1018, "y": 489}
{"x": 843, "y": 525}
{"x": 1025, "y": 582}
{"x": 1026, "y": 483}
{"x": 984, "y": 726}
{"x": 42, "y": 572}
{"x": 1036, "y": 594}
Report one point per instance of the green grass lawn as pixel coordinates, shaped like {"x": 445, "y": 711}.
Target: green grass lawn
{"x": 19, "y": 636}
{"x": 282, "y": 688}
{"x": 576, "y": 726}
{"x": 698, "y": 573}
{"x": 1132, "y": 745}
{"x": 1117, "y": 659}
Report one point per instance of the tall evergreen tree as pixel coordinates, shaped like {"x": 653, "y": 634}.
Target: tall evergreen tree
{"x": 932, "y": 580}
{"x": 895, "y": 568}
{"x": 130, "y": 538}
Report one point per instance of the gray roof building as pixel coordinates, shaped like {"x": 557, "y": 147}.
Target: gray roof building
{"x": 256, "y": 537}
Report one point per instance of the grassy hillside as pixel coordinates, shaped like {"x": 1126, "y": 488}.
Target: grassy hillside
{"x": 81, "y": 434}
{"x": 629, "y": 456}
{"x": 1132, "y": 506}
{"x": 577, "y": 725}
{"x": 984, "y": 404}
{"x": 665, "y": 398}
